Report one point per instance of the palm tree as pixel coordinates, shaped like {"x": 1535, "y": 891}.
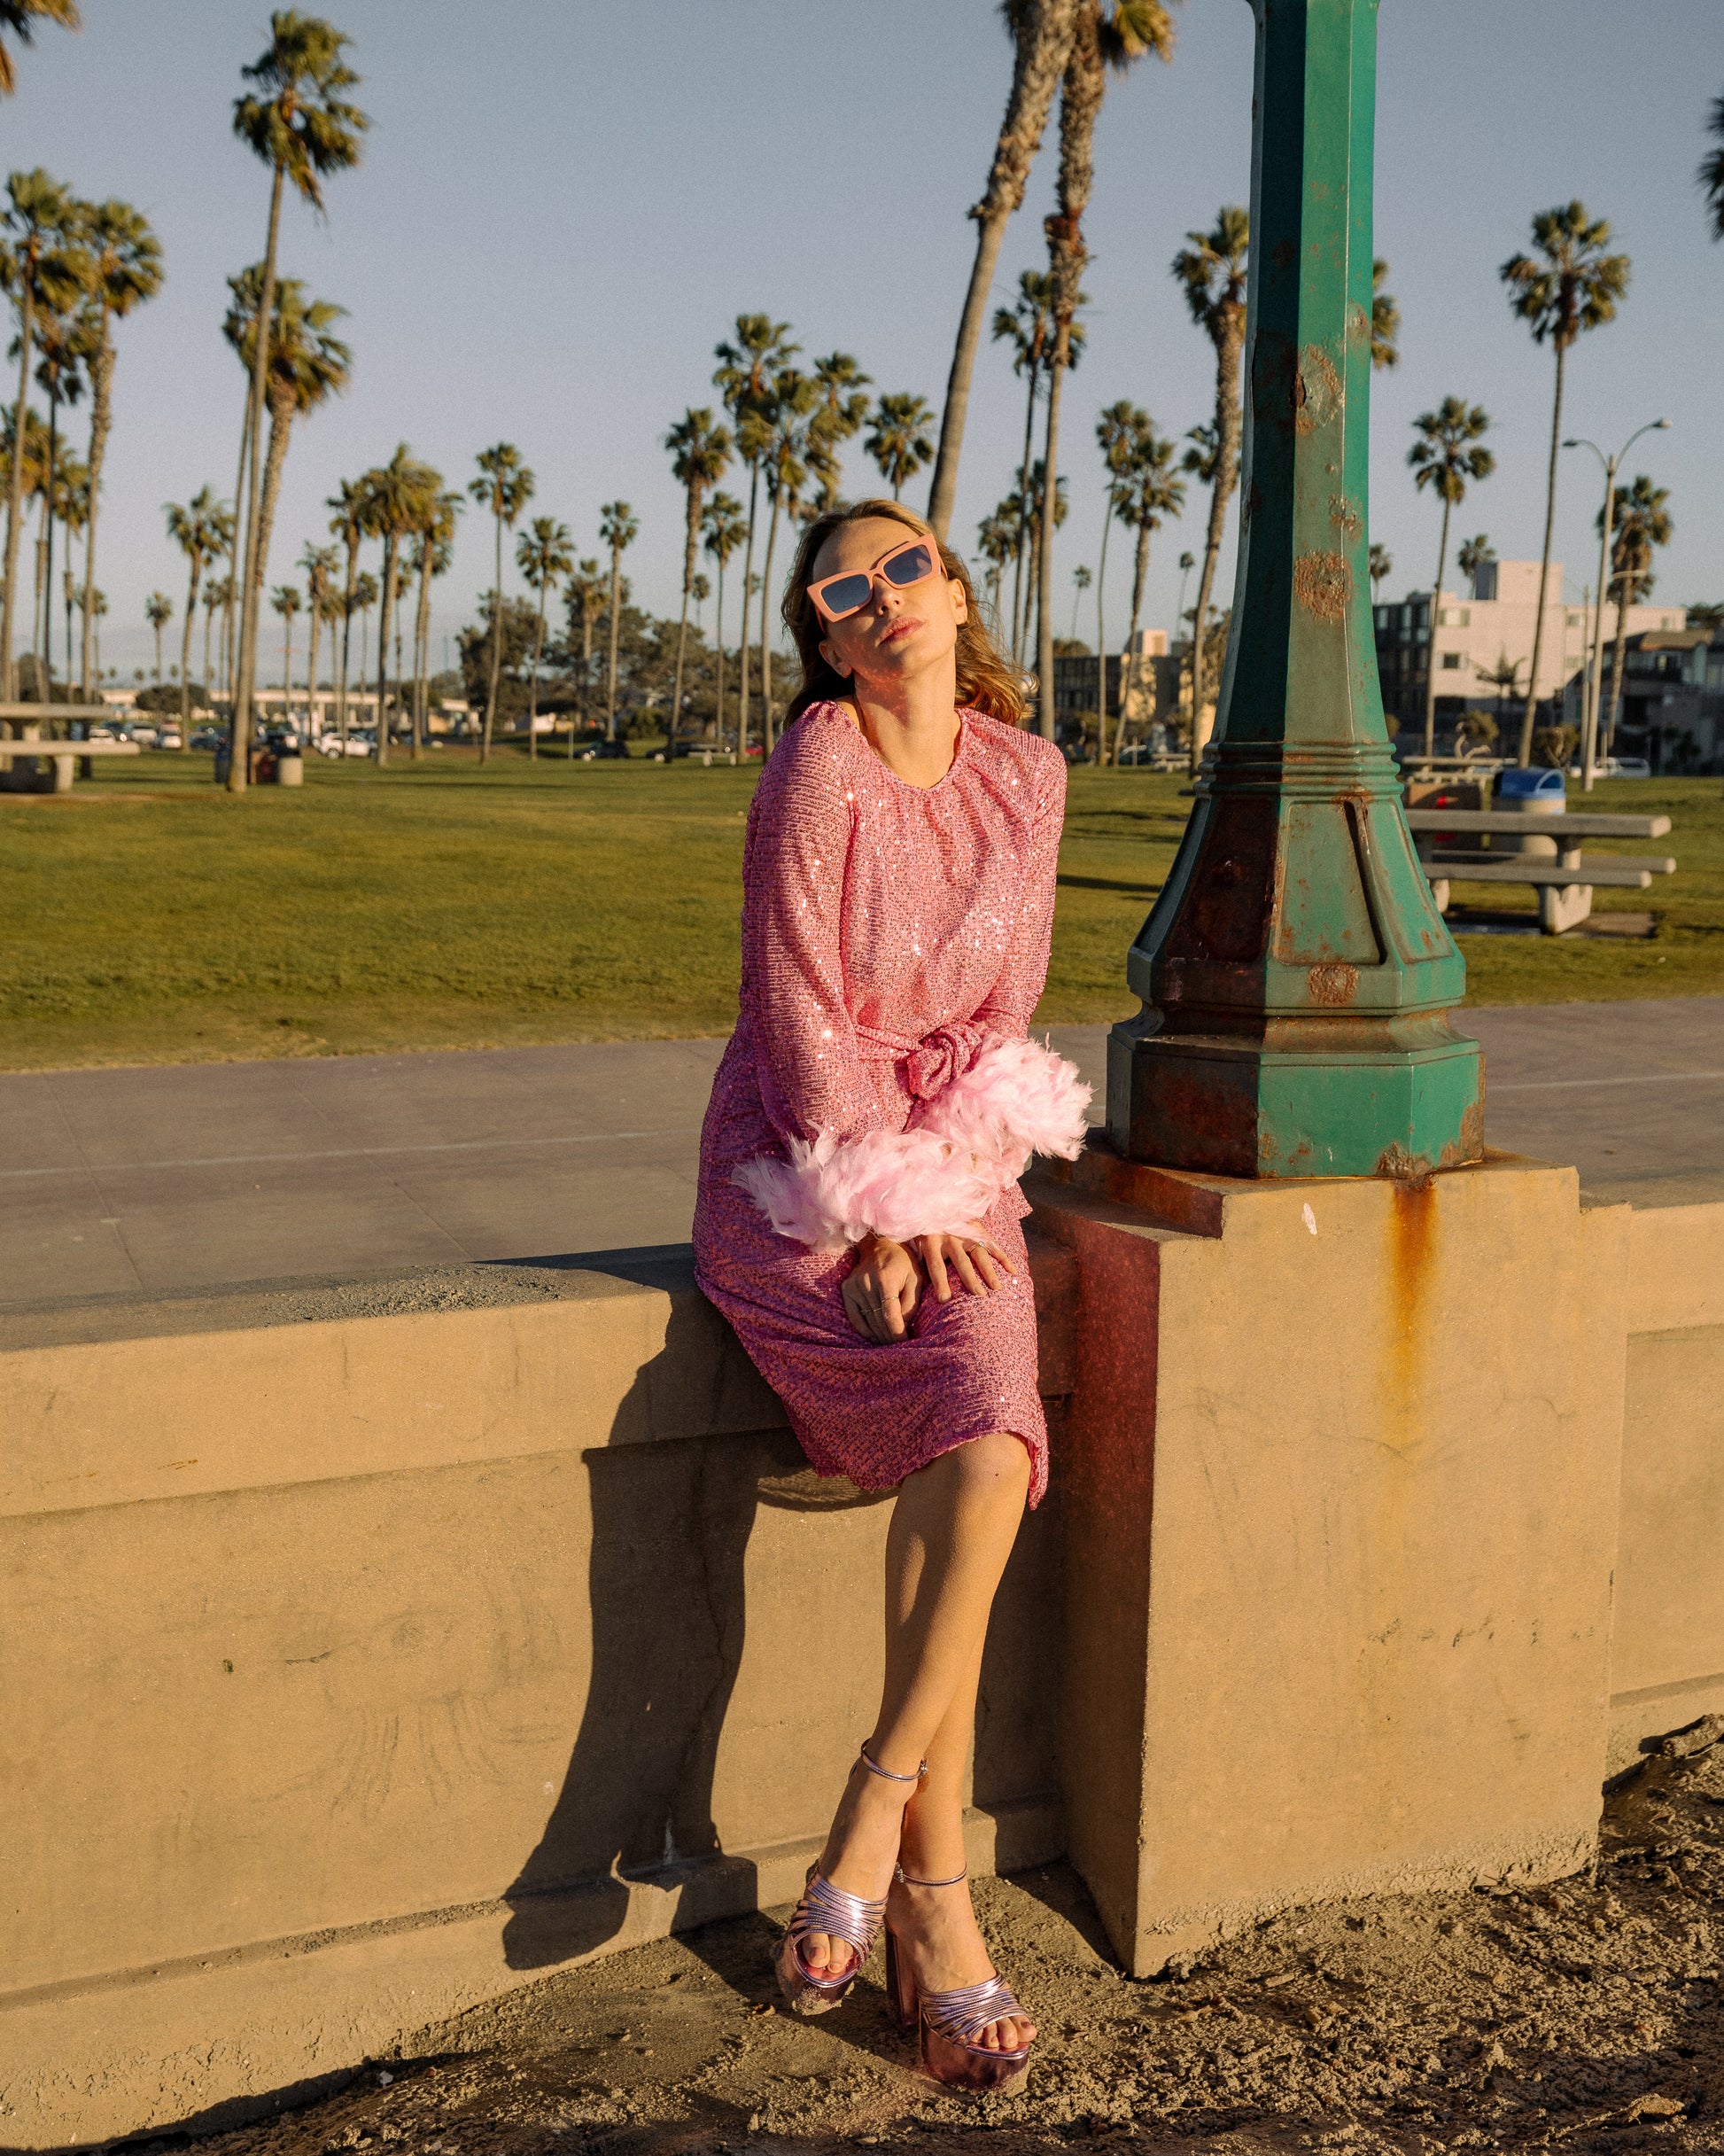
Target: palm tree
{"x": 1449, "y": 453}
{"x": 1082, "y": 579}
{"x": 433, "y": 556}
{"x": 1117, "y": 430}
{"x": 1642, "y": 522}
{"x": 201, "y": 528}
{"x": 725, "y": 528}
{"x": 1027, "y": 326}
{"x": 320, "y": 565}
{"x": 1712, "y": 170}
{"x": 1473, "y": 555}
{"x": 63, "y": 344}
{"x": 158, "y": 612}
{"x": 1117, "y": 39}
{"x": 1573, "y": 286}
{"x": 396, "y": 497}
{"x": 618, "y": 528}
{"x": 699, "y": 453}
{"x": 843, "y": 408}
{"x": 19, "y": 19}
{"x": 348, "y": 526}
{"x": 1040, "y": 32}
{"x": 743, "y": 379}
{"x": 1212, "y": 270}
{"x": 795, "y": 403}
{"x": 898, "y": 440}
{"x": 504, "y": 487}
{"x": 298, "y": 119}
{"x": 1150, "y": 490}
{"x": 308, "y": 364}
{"x": 125, "y": 269}
{"x": 543, "y": 555}
{"x": 41, "y": 264}
{"x": 1382, "y": 566}
{"x": 285, "y": 600}
{"x": 995, "y": 540}
{"x": 216, "y": 594}
{"x": 586, "y": 601}
{"x": 1385, "y": 320}
{"x": 364, "y": 598}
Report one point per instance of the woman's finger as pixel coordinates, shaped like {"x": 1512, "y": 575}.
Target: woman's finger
{"x": 936, "y": 1268}
{"x": 966, "y": 1270}
{"x": 890, "y": 1317}
{"x": 979, "y": 1236}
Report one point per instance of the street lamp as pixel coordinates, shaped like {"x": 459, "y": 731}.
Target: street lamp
{"x": 1596, "y": 668}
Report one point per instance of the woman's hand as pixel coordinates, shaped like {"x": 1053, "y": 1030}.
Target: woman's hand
{"x": 882, "y": 1289}
{"x": 972, "y": 1256}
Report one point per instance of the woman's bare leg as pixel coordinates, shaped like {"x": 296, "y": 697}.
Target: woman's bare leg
{"x": 953, "y": 1530}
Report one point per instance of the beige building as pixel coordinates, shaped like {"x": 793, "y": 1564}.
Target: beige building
{"x": 1484, "y": 642}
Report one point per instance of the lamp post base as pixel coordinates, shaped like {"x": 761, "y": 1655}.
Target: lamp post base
{"x": 1396, "y": 1096}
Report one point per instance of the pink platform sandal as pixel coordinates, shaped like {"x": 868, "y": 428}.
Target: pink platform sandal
{"x": 829, "y": 1908}
{"x": 947, "y": 2022}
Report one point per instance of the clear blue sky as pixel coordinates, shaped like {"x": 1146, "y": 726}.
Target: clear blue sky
{"x": 562, "y": 205}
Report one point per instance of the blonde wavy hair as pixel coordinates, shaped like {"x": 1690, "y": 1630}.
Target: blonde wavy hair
{"x": 987, "y": 681}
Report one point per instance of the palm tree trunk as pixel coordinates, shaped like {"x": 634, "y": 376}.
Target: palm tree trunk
{"x": 1530, "y": 711}
{"x": 496, "y": 649}
{"x": 1023, "y": 514}
{"x": 281, "y": 425}
{"x": 1043, "y": 45}
{"x": 742, "y": 648}
{"x": 1101, "y": 635}
{"x": 533, "y": 692}
{"x": 287, "y": 662}
{"x": 347, "y": 639}
{"x": 1045, "y": 565}
{"x": 1133, "y": 666}
{"x": 15, "y": 497}
{"x": 390, "y": 541}
{"x": 1431, "y": 662}
{"x": 689, "y": 551}
{"x": 1227, "y": 362}
{"x": 611, "y": 678}
{"x": 422, "y": 656}
{"x": 315, "y": 624}
{"x": 230, "y": 660}
{"x": 208, "y": 611}
{"x": 238, "y": 770}
{"x": 45, "y": 669}
{"x": 718, "y": 635}
{"x": 767, "y": 737}
{"x": 185, "y": 654}
{"x": 101, "y": 414}
{"x": 1622, "y": 596}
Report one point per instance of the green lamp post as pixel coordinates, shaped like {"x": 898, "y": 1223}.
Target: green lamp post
{"x": 1296, "y": 977}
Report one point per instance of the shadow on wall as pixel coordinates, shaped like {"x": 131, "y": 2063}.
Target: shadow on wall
{"x": 671, "y": 1525}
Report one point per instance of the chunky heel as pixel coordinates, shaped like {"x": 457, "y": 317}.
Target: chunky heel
{"x": 947, "y": 2022}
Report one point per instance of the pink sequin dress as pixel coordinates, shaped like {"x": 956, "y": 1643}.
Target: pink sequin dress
{"x": 895, "y": 942}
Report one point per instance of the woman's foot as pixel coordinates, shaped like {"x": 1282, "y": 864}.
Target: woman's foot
{"x": 860, "y": 1854}
{"x": 936, "y": 1929}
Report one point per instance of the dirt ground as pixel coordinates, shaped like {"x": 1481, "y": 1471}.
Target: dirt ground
{"x": 1586, "y": 2015}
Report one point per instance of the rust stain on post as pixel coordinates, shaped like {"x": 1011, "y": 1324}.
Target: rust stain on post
{"x": 1412, "y": 1233}
{"x": 1345, "y": 516}
{"x": 1323, "y": 585}
{"x": 1318, "y": 392}
{"x": 1333, "y": 985}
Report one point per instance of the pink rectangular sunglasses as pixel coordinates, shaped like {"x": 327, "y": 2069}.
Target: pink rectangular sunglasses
{"x": 837, "y": 596}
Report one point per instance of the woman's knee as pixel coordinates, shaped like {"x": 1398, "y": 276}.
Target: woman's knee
{"x": 998, "y": 1461}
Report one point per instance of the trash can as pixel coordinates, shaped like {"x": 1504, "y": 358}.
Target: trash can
{"x": 1532, "y": 793}
{"x": 290, "y": 768}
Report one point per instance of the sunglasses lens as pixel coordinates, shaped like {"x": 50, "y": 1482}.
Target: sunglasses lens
{"x": 845, "y": 594}
{"x": 911, "y": 566}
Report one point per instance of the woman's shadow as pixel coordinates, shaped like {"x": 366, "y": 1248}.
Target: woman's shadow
{"x": 672, "y": 1517}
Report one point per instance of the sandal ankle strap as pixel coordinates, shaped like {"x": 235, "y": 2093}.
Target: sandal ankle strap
{"x": 957, "y": 1878}
{"x": 886, "y": 1773}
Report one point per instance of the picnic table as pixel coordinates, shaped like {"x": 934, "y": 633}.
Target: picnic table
{"x": 1563, "y": 875}
{"x": 61, "y": 754}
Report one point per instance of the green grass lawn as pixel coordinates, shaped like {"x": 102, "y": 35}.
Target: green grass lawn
{"x": 149, "y": 918}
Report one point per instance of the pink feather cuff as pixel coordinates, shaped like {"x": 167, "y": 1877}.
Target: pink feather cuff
{"x": 972, "y": 1139}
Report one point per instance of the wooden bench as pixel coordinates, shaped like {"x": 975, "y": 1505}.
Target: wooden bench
{"x": 1564, "y": 877}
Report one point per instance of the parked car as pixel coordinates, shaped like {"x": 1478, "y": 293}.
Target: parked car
{"x": 358, "y": 745}
{"x": 604, "y": 752}
{"x": 168, "y": 738}
{"x": 1628, "y": 768}
{"x": 210, "y": 737}
{"x": 144, "y": 735}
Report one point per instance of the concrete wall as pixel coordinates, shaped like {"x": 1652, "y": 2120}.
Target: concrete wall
{"x": 370, "y": 1650}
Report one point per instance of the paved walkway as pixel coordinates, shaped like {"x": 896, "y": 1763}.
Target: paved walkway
{"x": 118, "y": 1182}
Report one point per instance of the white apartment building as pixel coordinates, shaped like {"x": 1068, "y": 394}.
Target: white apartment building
{"x": 1484, "y": 633}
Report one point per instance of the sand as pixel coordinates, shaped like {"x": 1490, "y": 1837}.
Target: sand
{"x": 1585, "y": 2015}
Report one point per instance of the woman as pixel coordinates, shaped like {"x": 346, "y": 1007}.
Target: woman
{"x": 858, "y": 1218}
